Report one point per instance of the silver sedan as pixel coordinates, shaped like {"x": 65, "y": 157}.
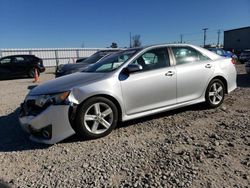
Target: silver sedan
{"x": 129, "y": 84}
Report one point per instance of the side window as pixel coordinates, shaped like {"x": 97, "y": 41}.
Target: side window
{"x": 153, "y": 59}
{"x": 19, "y": 59}
{"x": 202, "y": 57}
{"x": 5, "y": 61}
{"x": 185, "y": 55}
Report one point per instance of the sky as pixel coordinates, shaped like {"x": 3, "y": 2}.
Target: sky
{"x": 98, "y": 23}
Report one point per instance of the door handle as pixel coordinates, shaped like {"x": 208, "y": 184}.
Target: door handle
{"x": 208, "y": 66}
{"x": 169, "y": 73}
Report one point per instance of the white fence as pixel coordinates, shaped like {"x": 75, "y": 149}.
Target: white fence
{"x": 53, "y": 56}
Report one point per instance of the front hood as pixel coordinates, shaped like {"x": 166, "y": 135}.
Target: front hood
{"x": 68, "y": 67}
{"x": 67, "y": 82}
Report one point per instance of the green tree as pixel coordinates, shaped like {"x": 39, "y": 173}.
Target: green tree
{"x": 114, "y": 45}
{"x": 136, "y": 41}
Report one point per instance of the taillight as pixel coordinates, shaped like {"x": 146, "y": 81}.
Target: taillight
{"x": 233, "y": 61}
{"x": 41, "y": 62}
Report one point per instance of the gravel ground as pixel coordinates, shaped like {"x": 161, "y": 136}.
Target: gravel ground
{"x": 189, "y": 147}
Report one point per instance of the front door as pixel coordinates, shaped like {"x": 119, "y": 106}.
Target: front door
{"x": 153, "y": 87}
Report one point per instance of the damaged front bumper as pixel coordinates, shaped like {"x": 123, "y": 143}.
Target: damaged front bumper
{"x": 49, "y": 126}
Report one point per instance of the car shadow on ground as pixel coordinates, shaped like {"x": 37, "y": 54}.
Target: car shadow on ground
{"x": 4, "y": 184}
{"x": 12, "y": 137}
{"x": 243, "y": 80}
{"x": 195, "y": 107}
{"x": 121, "y": 125}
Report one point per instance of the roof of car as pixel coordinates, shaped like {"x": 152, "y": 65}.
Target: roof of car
{"x": 203, "y": 50}
{"x": 110, "y": 50}
{"x": 19, "y": 55}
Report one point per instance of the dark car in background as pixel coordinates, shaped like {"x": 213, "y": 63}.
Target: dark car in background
{"x": 20, "y": 65}
{"x": 66, "y": 69}
{"x": 224, "y": 53}
{"x": 244, "y": 56}
{"x": 80, "y": 60}
{"x": 247, "y": 67}
{"x": 220, "y": 52}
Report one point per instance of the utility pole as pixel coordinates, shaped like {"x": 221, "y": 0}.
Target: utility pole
{"x": 130, "y": 42}
{"x": 218, "y": 41}
{"x": 205, "y": 36}
{"x": 181, "y": 37}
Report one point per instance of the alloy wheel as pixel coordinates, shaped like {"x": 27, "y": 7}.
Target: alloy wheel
{"x": 216, "y": 93}
{"x": 98, "y": 118}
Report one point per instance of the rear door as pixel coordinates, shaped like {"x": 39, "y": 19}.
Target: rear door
{"x": 194, "y": 70}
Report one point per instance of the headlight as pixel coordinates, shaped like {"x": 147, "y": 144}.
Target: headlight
{"x": 56, "y": 99}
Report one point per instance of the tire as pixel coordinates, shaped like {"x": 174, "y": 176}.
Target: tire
{"x": 31, "y": 73}
{"x": 215, "y": 93}
{"x": 96, "y": 118}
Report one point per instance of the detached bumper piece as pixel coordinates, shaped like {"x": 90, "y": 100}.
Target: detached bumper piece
{"x": 48, "y": 126}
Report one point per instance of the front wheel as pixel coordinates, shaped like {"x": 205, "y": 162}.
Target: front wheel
{"x": 215, "y": 93}
{"x": 96, "y": 118}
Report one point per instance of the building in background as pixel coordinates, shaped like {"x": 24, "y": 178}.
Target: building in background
{"x": 237, "y": 39}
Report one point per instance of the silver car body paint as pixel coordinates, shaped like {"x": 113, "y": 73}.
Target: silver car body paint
{"x": 57, "y": 116}
{"x": 140, "y": 94}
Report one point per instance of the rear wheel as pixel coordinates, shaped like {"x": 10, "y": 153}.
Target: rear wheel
{"x": 96, "y": 118}
{"x": 215, "y": 93}
{"x": 31, "y": 73}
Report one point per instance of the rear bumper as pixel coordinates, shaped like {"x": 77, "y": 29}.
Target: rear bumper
{"x": 50, "y": 126}
{"x": 41, "y": 69}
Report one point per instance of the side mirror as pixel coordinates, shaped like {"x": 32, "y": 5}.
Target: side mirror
{"x": 133, "y": 68}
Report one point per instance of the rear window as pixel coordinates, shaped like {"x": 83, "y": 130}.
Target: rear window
{"x": 187, "y": 54}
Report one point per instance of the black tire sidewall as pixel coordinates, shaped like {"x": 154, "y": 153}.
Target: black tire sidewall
{"x": 80, "y": 128}
{"x": 208, "y": 102}
{"x": 31, "y": 73}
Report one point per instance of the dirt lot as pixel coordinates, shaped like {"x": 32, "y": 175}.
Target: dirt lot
{"x": 190, "y": 147}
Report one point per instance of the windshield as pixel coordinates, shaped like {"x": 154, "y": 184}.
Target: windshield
{"x": 92, "y": 59}
{"x": 112, "y": 61}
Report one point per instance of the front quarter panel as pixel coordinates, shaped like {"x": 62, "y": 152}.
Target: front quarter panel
{"x": 109, "y": 86}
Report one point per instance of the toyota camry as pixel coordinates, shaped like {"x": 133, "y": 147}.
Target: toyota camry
{"x": 126, "y": 85}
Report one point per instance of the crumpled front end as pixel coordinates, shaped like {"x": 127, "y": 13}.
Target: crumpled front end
{"x": 48, "y": 124}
